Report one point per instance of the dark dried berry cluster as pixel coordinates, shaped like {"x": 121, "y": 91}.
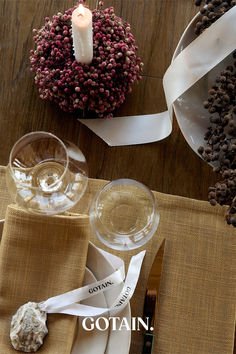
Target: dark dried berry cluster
{"x": 231, "y": 214}
{"x": 220, "y": 149}
{"x": 211, "y": 11}
{"x": 101, "y": 86}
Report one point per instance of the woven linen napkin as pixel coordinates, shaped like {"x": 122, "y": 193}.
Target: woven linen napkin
{"x": 41, "y": 257}
{"x": 197, "y": 299}
{"x": 198, "y": 289}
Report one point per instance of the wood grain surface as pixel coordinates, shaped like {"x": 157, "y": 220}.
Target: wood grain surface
{"x": 169, "y": 166}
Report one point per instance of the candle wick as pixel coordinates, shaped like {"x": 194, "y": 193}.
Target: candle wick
{"x": 81, "y": 10}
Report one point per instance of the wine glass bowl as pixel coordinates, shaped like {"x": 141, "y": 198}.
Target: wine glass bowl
{"x": 46, "y": 175}
{"x": 124, "y": 214}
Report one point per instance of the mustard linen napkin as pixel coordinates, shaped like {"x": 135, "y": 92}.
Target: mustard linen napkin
{"x": 41, "y": 257}
{"x": 198, "y": 291}
{"x": 197, "y": 299}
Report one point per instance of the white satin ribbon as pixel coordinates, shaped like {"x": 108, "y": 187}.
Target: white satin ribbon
{"x": 195, "y": 61}
{"x": 131, "y": 130}
{"x": 67, "y": 303}
{"x": 200, "y": 56}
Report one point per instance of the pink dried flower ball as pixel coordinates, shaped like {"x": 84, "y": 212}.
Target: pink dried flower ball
{"x": 101, "y": 86}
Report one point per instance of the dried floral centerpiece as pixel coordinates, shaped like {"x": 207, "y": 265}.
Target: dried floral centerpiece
{"x": 220, "y": 149}
{"x": 100, "y": 86}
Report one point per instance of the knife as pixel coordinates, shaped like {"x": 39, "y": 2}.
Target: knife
{"x": 151, "y": 299}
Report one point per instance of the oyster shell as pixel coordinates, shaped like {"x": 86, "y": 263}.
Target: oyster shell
{"x": 28, "y": 328}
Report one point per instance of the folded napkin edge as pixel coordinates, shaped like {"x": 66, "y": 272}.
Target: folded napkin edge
{"x": 13, "y": 208}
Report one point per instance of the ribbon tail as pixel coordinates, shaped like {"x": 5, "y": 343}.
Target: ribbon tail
{"x": 131, "y": 130}
{"x": 121, "y": 301}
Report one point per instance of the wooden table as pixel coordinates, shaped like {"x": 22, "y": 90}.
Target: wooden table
{"x": 169, "y": 166}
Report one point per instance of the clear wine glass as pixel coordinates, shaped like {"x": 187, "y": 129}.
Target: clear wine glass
{"x": 46, "y": 175}
{"x": 124, "y": 214}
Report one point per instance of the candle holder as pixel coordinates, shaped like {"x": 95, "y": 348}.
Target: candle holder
{"x": 101, "y": 86}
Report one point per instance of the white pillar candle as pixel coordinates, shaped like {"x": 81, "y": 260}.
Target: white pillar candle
{"x": 82, "y": 34}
